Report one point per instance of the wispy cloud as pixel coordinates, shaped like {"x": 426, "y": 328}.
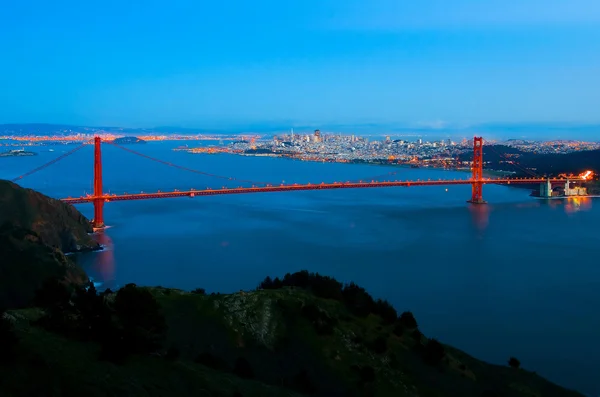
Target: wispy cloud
{"x": 435, "y": 14}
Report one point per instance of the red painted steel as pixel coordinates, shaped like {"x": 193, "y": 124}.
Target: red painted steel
{"x": 477, "y": 172}
{"x": 476, "y": 181}
{"x": 296, "y": 187}
{"x": 98, "y": 199}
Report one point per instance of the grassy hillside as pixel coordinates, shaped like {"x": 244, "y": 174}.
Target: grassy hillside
{"x": 278, "y": 341}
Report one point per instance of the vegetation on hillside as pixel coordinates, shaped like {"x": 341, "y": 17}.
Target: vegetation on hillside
{"x": 304, "y": 334}
{"x": 26, "y": 262}
{"x": 541, "y": 164}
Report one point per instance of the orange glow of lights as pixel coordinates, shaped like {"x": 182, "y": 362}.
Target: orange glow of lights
{"x": 586, "y": 175}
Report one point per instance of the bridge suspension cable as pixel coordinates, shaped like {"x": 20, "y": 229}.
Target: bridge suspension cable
{"x": 186, "y": 168}
{"x": 49, "y": 163}
{"x": 374, "y": 178}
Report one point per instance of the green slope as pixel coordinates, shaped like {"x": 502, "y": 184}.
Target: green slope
{"x": 290, "y": 340}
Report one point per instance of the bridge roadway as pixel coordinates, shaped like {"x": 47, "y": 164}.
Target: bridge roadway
{"x": 298, "y": 187}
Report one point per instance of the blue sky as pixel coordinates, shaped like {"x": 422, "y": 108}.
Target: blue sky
{"x": 215, "y": 63}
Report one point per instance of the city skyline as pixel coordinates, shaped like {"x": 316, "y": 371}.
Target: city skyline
{"x": 429, "y": 65}
{"x": 492, "y": 131}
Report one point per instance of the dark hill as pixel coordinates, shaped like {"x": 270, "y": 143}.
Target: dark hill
{"x": 27, "y": 262}
{"x": 303, "y": 335}
{"x": 56, "y": 224}
{"x": 128, "y": 140}
{"x": 35, "y": 231}
{"x": 541, "y": 164}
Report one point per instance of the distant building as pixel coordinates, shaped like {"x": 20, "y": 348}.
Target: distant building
{"x": 574, "y": 191}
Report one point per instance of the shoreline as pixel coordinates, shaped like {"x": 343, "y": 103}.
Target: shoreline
{"x": 566, "y": 197}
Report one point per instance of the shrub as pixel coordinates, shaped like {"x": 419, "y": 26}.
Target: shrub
{"x": 358, "y": 301}
{"x": 199, "y": 291}
{"x": 211, "y": 361}
{"x": 514, "y": 363}
{"x": 407, "y": 319}
{"x": 433, "y": 352}
{"x": 243, "y": 369}
{"x": 143, "y": 323}
{"x": 52, "y": 294}
{"x": 398, "y": 329}
{"x": 489, "y": 393}
{"x": 267, "y": 283}
{"x": 172, "y": 353}
{"x": 321, "y": 286}
{"x": 418, "y": 337}
{"x": 322, "y": 323}
{"x": 114, "y": 347}
{"x": 303, "y": 384}
{"x": 8, "y": 340}
{"x": 386, "y": 311}
{"x": 379, "y": 345}
{"x": 93, "y": 314}
{"x": 366, "y": 373}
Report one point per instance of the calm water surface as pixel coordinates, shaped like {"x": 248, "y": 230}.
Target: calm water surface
{"x": 518, "y": 277}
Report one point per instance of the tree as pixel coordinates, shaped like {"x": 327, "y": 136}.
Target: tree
{"x": 358, "y": 301}
{"x": 243, "y": 369}
{"x": 172, "y": 353}
{"x": 302, "y": 383}
{"x": 379, "y": 345}
{"x": 433, "y": 352}
{"x": 93, "y": 314}
{"x": 514, "y": 363}
{"x": 144, "y": 326}
{"x": 386, "y": 311}
{"x": 8, "y": 339}
{"x": 51, "y": 294}
{"x": 407, "y": 319}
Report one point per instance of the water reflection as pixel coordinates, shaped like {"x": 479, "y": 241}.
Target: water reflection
{"x": 480, "y": 214}
{"x": 577, "y": 204}
{"x": 103, "y": 267}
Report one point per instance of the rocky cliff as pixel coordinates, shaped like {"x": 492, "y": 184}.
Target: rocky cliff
{"x": 27, "y": 262}
{"x": 56, "y": 224}
{"x": 35, "y": 232}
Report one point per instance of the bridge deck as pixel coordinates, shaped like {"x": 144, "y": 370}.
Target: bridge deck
{"x": 298, "y": 187}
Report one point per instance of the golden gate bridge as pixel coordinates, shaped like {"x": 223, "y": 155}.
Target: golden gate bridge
{"x": 99, "y": 197}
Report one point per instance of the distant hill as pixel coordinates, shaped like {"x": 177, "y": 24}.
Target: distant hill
{"x": 542, "y": 164}
{"x": 65, "y": 129}
{"x": 435, "y": 130}
{"x": 128, "y": 140}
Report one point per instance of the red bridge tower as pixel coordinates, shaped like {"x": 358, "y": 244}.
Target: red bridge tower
{"x": 98, "y": 222}
{"x": 477, "y": 169}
